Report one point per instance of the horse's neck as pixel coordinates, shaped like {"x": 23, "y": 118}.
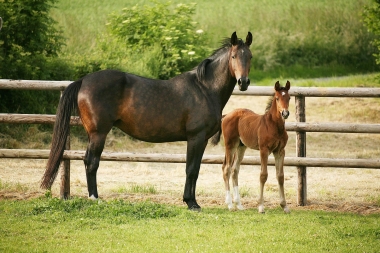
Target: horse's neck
{"x": 276, "y": 117}
{"x": 219, "y": 82}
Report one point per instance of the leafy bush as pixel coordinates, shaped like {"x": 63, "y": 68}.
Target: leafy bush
{"x": 29, "y": 45}
{"x": 371, "y": 16}
{"x": 28, "y": 38}
{"x": 163, "y": 34}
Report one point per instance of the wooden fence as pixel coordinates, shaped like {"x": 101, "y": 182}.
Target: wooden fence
{"x": 300, "y": 127}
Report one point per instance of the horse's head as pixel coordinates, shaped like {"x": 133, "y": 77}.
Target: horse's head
{"x": 282, "y": 99}
{"x": 240, "y": 60}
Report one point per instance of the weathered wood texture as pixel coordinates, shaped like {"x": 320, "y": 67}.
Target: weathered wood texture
{"x": 181, "y": 158}
{"x": 290, "y": 126}
{"x": 301, "y": 127}
{"x": 252, "y": 90}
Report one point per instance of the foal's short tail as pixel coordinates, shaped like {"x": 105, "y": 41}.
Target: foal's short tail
{"x": 67, "y": 103}
{"x": 216, "y": 137}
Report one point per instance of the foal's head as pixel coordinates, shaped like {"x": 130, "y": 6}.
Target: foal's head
{"x": 240, "y": 60}
{"x": 282, "y": 99}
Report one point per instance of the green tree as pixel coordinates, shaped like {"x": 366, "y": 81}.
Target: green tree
{"x": 371, "y": 17}
{"x": 29, "y": 45}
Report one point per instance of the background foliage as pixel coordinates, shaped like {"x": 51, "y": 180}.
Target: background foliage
{"x": 371, "y": 16}
{"x": 29, "y": 46}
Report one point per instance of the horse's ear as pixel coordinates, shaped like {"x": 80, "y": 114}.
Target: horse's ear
{"x": 277, "y": 86}
{"x": 234, "y": 39}
{"x": 287, "y": 87}
{"x": 248, "y": 40}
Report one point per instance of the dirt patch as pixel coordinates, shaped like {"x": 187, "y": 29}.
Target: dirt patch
{"x": 329, "y": 189}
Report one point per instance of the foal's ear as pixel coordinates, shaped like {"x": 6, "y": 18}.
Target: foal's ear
{"x": 287, "y": 86}
{"x": 234, "y": 39}
{"x": 248, "y": 40}
{"x": 277, "y": 86}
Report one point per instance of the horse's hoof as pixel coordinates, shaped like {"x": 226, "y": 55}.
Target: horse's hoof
{"x": 261, "y": 209}
{"x": 195, "y": 208}
{"x": 286, "y": 210}
{"x": 240, "y": 207}
{"x": 92, "y": 197}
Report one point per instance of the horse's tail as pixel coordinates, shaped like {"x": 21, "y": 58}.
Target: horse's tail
{"x": 67, "y": 103}
{"x": 216, "y": 137}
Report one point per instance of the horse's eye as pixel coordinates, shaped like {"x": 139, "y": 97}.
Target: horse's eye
{"x": 233, "y": 57}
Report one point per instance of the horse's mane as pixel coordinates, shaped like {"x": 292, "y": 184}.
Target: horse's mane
{"x": 269, "y": 104}
{"x": 270, "y": 101}
{"x": 225, "y": 44}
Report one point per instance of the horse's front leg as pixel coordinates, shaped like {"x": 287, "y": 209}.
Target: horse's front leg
{"x": 239, "y": 155}
{"x": 195, "y": 148}
{"x": 264, "y": 153}
{"x": 226, "y": 169}
{"x": 279, "y": 162}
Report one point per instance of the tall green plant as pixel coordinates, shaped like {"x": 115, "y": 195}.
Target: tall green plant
{"x": 28, "y": 38}
{"x": 371, "y": 17}
{"x": 171, "y": 29}
{"x": 29, "y": 44}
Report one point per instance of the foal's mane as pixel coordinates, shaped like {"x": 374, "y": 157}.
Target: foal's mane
{"x": 270, "y": 101}
{"x": 225, "y": 44}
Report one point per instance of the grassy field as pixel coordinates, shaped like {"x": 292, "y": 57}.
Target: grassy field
{"x": 77, "y": 225}
{"x": 141, "y": 209}
{"x": 283, "y": 32}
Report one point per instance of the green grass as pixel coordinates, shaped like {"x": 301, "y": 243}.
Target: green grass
{"x": 78, "y": 225}
{"x": 291, "y": 39}
{"x": 135, "y": 188}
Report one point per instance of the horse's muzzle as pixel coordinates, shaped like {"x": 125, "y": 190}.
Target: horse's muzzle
{"x": 243, "y": 83}
{"x": 285, "y": 114}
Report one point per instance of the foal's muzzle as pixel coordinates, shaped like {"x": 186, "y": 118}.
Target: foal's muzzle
{"x": 285, "y": 114}
{"x": 243, "y": 83}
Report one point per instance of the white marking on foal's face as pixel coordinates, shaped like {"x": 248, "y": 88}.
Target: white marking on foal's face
{"x": 283, "y": 93}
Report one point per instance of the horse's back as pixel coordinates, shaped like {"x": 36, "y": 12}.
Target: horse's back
{"x": 147, "y": 109}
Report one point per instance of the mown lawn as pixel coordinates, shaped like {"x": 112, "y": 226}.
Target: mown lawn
{"x": 80, "y": 225}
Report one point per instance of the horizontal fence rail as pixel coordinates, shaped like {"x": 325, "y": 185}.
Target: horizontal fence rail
{"x": 252, "y": 90}
{"x": 300, "y": 127}
{"x": 181, "y": 158}
{"x": 290, "y": 126}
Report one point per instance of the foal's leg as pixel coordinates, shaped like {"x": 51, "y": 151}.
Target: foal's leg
{"x": 91, "y": 162}
{"x": 226, "y": 169}
{"x": 264, "y": 153}
{"x": 239, "y": 155}
{"x": 279, "y": 162}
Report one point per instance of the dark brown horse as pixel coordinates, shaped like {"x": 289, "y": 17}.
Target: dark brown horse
{"x": 187, "y": 107}
{"x": 243, "y": 128}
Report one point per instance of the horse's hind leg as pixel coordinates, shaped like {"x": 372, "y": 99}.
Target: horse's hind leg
{"x": 279, "y": 162}
{"x": 239, "y": 155}
{"x": 91, "y": 161}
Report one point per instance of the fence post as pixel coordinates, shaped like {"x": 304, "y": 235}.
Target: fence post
{"x": 65, "y": 173}
{"x": 301, "y": 152}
